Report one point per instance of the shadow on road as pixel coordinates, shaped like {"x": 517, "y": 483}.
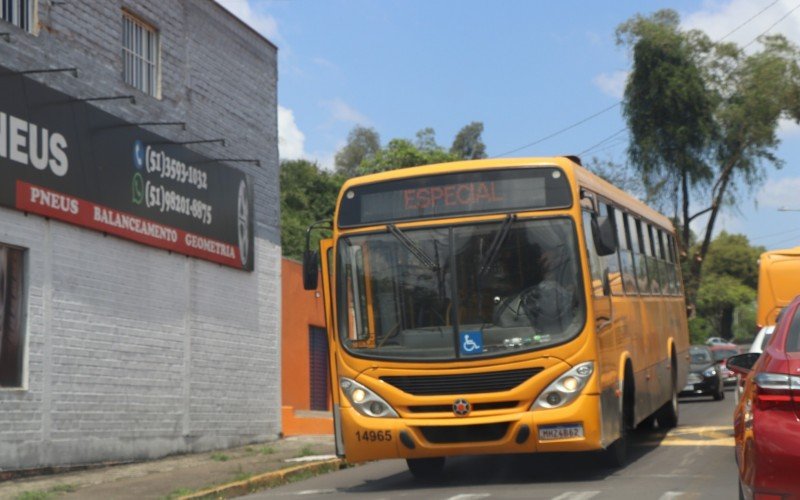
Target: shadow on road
{"x": 518, "y": 468}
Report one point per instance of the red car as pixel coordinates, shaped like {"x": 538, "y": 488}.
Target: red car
{"x": 766, "y": 420}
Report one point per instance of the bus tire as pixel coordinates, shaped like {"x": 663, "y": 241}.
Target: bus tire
{"x": 426, "y": 469}
{"x": 616, "y": 455}
{"x": 667, "y": 415}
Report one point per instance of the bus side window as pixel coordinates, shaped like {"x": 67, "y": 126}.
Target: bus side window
{"x": 677, "y": 266}
{"x": 666, "y": 261}
{"x": 611, "y": 262}
{"x": 596, "y": 269}
{"x": 652, "y": 262}
{"x": 660, "y": 281}
{"x": 626, "y": 253}
{"x": 642, "y": 269}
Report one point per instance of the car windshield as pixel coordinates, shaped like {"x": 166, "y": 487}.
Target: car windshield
{"x": 721, "y": 354}
{"x": 460, "y": 292}
{"x": 700, "y": 356}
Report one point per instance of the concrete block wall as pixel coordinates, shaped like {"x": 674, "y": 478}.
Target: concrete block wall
{"x": 134, "y": 352}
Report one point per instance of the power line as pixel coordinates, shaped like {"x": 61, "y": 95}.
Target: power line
{"x": 623, "y": 129}
{"x": 721, "y": 39}
{"x": 558, "y": 132}
{"x": 771, "y": 26}
{"x": 746, "y": 22}
{"x": 590, "y": 117}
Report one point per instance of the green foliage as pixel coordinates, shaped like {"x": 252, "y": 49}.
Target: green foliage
{"x": 732, "y": 255}
{"x": 402, "y": 153}
{"x": 362, "y": 143}
{"x": 700, "y": 329}
{"x": 744, "y": 328}
{"x": 219, "y": 457}
{"x": 468, "y": 144}
{"x": 307, "y": 451}
{"x": 177, "y": 493}
{"x": 308, "y": 194}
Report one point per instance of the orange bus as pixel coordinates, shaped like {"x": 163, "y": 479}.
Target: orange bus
{"x": 498, "y": 306}
{"x": 778, "y": 283}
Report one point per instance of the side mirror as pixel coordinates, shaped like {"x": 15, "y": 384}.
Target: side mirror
{"x": 742, "y": 364}
{"x": 310, "y": 269}
{"x": 603, "y": 234}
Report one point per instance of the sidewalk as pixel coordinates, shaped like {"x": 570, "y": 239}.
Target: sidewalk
{"x": 179, "y": 476}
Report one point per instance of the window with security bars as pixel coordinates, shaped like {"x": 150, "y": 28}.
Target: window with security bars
{"x": 12, "y": 327}
{"x": 318, "y": 367}
{"x": 140, "y": 54}
{"x": 18, "y": 12}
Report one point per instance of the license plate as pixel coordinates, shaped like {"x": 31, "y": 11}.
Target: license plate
{"x": 688, "y": 388}
{"x": 694, "y": 378}
{"x": 550, "y": 432}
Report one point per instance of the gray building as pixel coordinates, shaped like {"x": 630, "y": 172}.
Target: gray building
{"x": 139, "y": 264}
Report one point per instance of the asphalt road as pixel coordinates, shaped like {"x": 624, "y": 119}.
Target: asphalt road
{"x": 693, "y": 461}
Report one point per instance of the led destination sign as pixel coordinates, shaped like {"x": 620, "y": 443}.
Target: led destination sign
{"x": 462, "y": 193}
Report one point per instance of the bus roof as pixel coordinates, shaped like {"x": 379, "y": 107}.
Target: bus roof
{"x": 583, "y": 176}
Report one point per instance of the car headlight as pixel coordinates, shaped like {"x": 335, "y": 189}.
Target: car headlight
{"x": 710, "y": 372}
{"x": 566, "y": 388}
{"x": 364, "y": 400}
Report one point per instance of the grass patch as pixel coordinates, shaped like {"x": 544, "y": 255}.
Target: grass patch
{"x": 34, "y": 495}
{"x": 266, "y": 450}
{"x": 64, "y": 488}
{"x": 219, "y": 457}
{"x": 306, "y": 451}
{"x": 180, "y": 492}
{"x": 242, "y": 475}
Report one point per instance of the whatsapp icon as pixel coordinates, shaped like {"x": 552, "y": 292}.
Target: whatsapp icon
{"x": 137, "y": 188}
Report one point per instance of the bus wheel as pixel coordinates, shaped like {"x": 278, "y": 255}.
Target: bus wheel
{"x": 426, "y": 469}
{"x": 667, "y": 415}
{"x": 616, "y": 455}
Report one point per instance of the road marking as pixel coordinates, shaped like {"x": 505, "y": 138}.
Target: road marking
{"x": 470, "y": 496}
{"x": 577, "y": 495}
{"x": 669, "y": 495}
{"x": 696, "y": 436}
{"x": 316, "y": 492}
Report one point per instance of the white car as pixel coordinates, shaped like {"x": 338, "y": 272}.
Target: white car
{"x": 762, "y": 337}
{"x": 716, "y": 341}
{"x": 758, "y": 345}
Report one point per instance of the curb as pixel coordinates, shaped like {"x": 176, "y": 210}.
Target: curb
{"x": 266, "y": 480}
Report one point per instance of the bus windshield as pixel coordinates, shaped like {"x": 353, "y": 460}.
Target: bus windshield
{"x": 460, "y": 291}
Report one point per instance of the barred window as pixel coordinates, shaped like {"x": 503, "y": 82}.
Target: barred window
{"x": 12, "y": 328}
{"x": 20, "y": 13}
{"x": 140, "y": 55}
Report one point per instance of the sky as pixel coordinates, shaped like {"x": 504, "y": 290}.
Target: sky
{"x": 545, "y": 78}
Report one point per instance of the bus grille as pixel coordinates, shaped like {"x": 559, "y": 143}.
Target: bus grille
{"x": 464, "y": 433}
{"x": 495, "y": 405}
{"x": 472, "y": 383}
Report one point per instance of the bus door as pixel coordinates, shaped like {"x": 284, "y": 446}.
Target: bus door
{"x": 601, "y": 312}
{"x": 326, "y": 265}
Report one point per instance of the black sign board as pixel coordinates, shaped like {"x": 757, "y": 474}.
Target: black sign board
{"x": 69, "y": 160}
{"x": 461, "y": 193}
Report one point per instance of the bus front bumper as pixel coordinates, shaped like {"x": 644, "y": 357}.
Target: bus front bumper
{"x": 575, "y": 427}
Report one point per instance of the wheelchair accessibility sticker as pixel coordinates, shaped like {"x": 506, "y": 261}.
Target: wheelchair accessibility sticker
{"x": 470, "y": 343}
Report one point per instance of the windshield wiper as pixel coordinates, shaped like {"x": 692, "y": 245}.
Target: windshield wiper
{"x": 494, "y": 248}
{"x": 413, "y": 247}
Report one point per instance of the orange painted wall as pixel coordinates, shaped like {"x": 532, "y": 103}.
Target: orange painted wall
{"x": 299, "y": 310}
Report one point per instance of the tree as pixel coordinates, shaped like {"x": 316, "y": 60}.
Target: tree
{"x": 703, "y": 117}
{"x": 468, "y": 144}
{"x": 718, "y": 297}
{"x": 401, "y": 153}
{"x": 732, "y": 255}
{"x": 362, "y": 143}
{"x": 308, "y": 194}
{"x": 729, "y": 280}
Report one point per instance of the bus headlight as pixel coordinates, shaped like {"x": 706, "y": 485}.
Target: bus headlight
{"x": 566, "y": 388}
{"x": 364, "y": 400}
